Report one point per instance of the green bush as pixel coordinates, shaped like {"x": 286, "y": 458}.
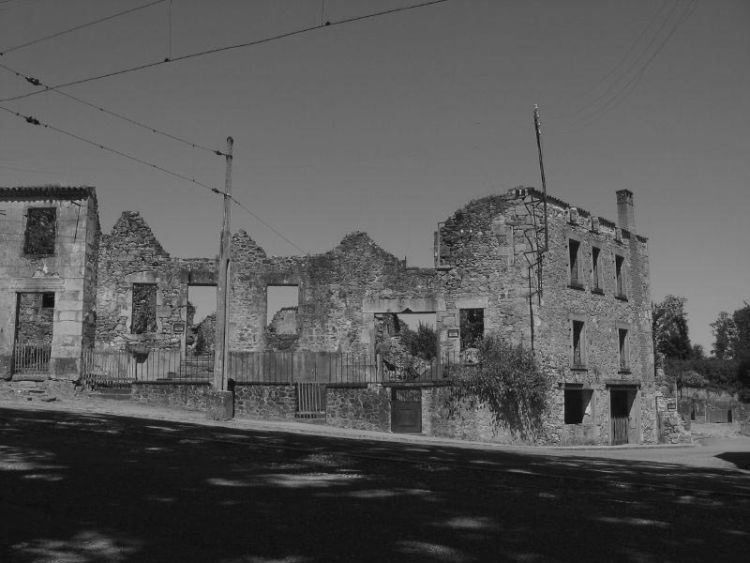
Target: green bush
{"x": 421, "y": 343}
{"x": 509, "y": 380}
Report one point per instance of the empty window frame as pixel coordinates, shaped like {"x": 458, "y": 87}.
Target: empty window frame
{"x": 623, "y": 342}
{"x": 574, "y": 248}
{"x": 620, "y": 277}
{"x": 578, "y": 345}
{"x": 577, "y": 404}
{"x": 40, "y": 231}
{"x": 471, "y": 324}
{"x": 596, "y": 284}
{"x": 282, "y": 307}
{"x": 143, "y": 317}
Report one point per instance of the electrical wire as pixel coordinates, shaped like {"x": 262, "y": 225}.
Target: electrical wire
{"x": 634, "y": 46}
{"x": 254, "y": 216}
{"x": 226, "y": 48}
{"x": 34, "y": 121}
{"x": 76, "y": 28}
{"x": 631, "y": 84}
{"x": 669, "y": 20}
{"x": 37, "y": 82}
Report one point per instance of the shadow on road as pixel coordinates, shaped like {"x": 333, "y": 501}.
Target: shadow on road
{"x": 85, "y": 487}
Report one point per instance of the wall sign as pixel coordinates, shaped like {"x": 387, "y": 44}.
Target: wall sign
{"x": 452, "y": 333}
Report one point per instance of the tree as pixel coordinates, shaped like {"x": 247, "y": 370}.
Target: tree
{"x": 670, "y": 330}
{"x": 698, "y": 353}
{"x": 741, "y": 318}
{"x": 725, "y": 335}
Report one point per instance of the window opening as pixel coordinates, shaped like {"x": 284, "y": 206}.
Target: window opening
{"x": 471, "y": 327}
{"x": 143, "y": 318}
{"x": 595, "y": 269}
{"x": 40, "y": 231}
{"x": 577, "y": 405}
{"x": 619, "y": 261}
{"x": 282, "y": 302}
{"x": 573, "y": 248}
{"x": 624, "y": 349}
{"x": 579, "y": 359}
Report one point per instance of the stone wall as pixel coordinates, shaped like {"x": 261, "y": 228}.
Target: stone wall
{"x": 190, "y": 396}
{"x": 338, "y": 293}
{"x": 129, "y": 255}
{"x": 265, "y": 401}
{"x": 365, "y": 407}
{"x": 710, "y": 405}
{"x": 674, "y": 430}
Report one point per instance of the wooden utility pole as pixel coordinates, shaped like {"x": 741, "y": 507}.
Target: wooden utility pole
{"x": 222, "y": 287}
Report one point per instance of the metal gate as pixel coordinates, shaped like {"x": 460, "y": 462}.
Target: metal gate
{"x": 620, "y": 414}
{"x": 311, "y": 400}
{"x": 406, "y": 410}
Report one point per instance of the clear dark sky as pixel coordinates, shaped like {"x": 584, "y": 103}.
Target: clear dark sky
{"x": 390, "y": 124}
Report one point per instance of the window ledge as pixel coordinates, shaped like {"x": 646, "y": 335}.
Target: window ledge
{"x": 579, "y": 368}
{"x": 621, "y": 297}
{"x": 598, "y": 291}
{"x": 576, "y": 286}
{"x": 624, "y": 371}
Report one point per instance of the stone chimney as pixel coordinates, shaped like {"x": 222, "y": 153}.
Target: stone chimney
{"x": 625, "y": 215}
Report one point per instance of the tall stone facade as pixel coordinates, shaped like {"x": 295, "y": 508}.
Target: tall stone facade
{"x": 583, "y": 303}
{"x": 50, "y": 237}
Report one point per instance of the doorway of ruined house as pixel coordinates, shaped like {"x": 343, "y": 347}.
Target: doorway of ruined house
{"x": 200, "y": 331}
{"x": 621, "y": 405}
{"x": 32, "y": 344}
{"x": 407, "y": 333}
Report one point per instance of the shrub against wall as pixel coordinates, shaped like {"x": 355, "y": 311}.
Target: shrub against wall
{"x": 510, "y": 381}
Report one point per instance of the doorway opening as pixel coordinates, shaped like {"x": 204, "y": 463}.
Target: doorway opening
{"x": 621, "y": 403}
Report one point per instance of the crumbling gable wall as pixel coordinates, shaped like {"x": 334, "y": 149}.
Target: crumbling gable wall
{"x": 339, "y": 292}
{"x": 132, "y": 263}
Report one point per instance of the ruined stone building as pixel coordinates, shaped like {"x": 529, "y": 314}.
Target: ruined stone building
{"x": 575, "y": 288}
{"x": 583, "y": 304}
{"x": 49, "y": 238}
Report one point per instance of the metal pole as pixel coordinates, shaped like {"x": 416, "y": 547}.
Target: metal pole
{"x": 222, "y": 287}
{"x": 538, "y": 130}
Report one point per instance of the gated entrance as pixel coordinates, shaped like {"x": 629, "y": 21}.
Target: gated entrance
{"x": 311, "y": 400}
{"x": 621, "y": 401}
{"x": 32, "y": 347}
{"x": 406, "y": 410}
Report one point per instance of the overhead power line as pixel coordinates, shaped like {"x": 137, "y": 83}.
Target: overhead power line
{"x": 31, "y": 120}
{"x": 37, "y": 82}
{"x": 633, "y": 80}
{"x": 621, "y": 80}
{"x": 77, "y": 27}
{"x": 253, "y": 215}
{"x": 226, "y": 48}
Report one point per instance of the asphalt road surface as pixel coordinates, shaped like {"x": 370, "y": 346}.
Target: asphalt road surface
{"x": 101, "y": 487}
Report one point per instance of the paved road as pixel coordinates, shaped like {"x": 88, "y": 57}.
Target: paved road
{"x": 99, "y": 487}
